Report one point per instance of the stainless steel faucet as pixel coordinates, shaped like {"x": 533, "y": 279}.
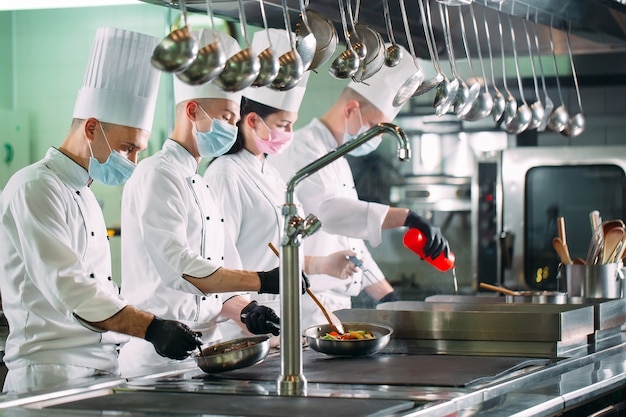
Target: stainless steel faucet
{"x": 291, "y": 380}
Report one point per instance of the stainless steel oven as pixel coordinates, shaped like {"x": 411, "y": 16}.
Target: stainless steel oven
{"x": 517, "y": 195}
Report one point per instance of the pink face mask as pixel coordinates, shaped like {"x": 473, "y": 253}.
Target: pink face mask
{"x": 277, "y": 142}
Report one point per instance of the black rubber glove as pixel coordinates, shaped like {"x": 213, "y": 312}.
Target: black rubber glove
{"x": 436, "y": 243}
{"x": 389, "y": 297}
{"x": 270, "y": 282}
{"x": 260, "y": 319}
{"x": 172, "y": 339}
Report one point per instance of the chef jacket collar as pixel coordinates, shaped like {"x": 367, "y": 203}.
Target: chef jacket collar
{"x": 70, "y": 172}
{"x": 185, "y": 160}
{"x": 325, "y": 134}
{"x": 248, "y": 158}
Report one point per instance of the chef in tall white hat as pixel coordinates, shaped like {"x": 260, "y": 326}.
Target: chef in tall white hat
{"x": 180, "y": 260}
{"x": 65, "y": 314}
{"x": 252, "y": 191}
{"x": 330, "y": 193}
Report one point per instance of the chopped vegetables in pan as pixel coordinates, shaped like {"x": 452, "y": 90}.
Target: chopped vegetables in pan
{"x": 350, "y": 335}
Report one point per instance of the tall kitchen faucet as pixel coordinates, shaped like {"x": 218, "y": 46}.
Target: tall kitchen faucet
{"x": 291, "y": 380}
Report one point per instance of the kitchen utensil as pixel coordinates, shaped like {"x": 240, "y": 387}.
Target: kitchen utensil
{"x": 559, "y": 117}
{"x": 609, "y": 224}
{"x": 548, "y": 105}
{"x": 366, "y": 272}
{"x": 358, "y": 46}
{"x": 375, "y": 57}
{"x": 499, "y": 102}
{"x": 536, "y": 108}
{"x": 523, "y": 115}
{"x": 561, "y": 249}
{"x": 177, "y": 50}
{"x": 347, "y": 63}
{"x": 233, "y": 354}
{"x": 597, "y": 238}
{"x": 209, "y": 61}
{"x": 560, "y": 221}
{"x": 576, "y": 123}
{"x": 332, "y": 319}
{"x": 352, "y": 347}
{"x": 267, "y": 58}
{"x": 291, "y": 67}
{"x": 242, "y": 68}
{"x": 495, "y": 288}
{"x": 463, "y": 113}
{"x": 612, "y": 240}
{"x": 393, "y": 53}
{"x": 510, "y": 104}
{"x": 439, "y": 77}
{"x": 538, "y": 297}
{"x": 483, "y": 105}
{"x": 408, "y": 88}
{"x": 326, "y": 38}
{"x": 306, "y": 44}
{"x": 415, "y": 240}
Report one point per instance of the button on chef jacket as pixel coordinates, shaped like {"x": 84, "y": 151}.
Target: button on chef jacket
{"x": 56, "y": 263}
{"x": 330, "y": 194}
{"x": 172, "y": 225}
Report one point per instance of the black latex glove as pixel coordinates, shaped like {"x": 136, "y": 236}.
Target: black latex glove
{"x": 172, "y": 339}
{"x": 389, "y": 297}
{"x": 270, "y": 282}
{"x": 436, "y": 243}
{"x": 260, "y": 319}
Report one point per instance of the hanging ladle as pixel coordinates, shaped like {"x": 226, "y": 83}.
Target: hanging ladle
{"x": 523, "y": 115}
{"x": 393, "y": 53}
{"x": 177, "y": 50}
{"x": 291, "y": 69}
{"x": 306, "y": 44}
{"x": 447, "y": 89}
{"x": 242, "y": 68}
{"x": 210, "y": 60}
{"x": 483, "y": 105}
{"x": 510, "y": 104}
{"x": 439, "y": 77}
{"x": 475, "y": 88}
{"x": 559, "y": 117}
{"x": 548, "y": 105}
{"x": 536, "y": 108}
{"x": 348, "y": 62}
{"x": 408, "y": 88}
{"x": 267, "y": 58}
{"x": 576, "y": 124}
{"x": 499, "y": 102}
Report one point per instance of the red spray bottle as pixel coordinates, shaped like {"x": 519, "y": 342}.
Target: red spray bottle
{"x": 415, "y": 240}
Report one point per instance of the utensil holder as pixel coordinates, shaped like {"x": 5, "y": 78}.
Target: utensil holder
{"x": 603, "y": 281}
{"x": 572, "y": 277}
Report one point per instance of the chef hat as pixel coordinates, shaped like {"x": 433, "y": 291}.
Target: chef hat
{"x": 183, "y": 91}
{"x": 381, "y": 88}
{"x": 120, "y": 84}
{"x": 288, "y": 100}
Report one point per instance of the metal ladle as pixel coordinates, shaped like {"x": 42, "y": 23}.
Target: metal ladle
{"x": 393, "y": 53}
{"x": 267, "y": 58}
{"x": 358, "y": 45}
{"x": 499, "y": 102}
{"x": 408, "y": 88}
{"x": 510, "y": 104}
{"x": 536, "y": 108}
{"x": 559, "y": 117}
{"x": 483, "y": 105}
{"x": 475, "y": 88}
{"x": 326, "y": 38}
{"x": 242, "y": 68}
{"x": 177, "y": 50}
{"x": 306, "y": 44}
{"x": 210, "y": 60}
{"x": 347, "y": 63}
{"x": 548, "y": 105}
{"x": 440, "y": 77}
{"x": 576, "y": 124}
{"x": 291, "y": 68}
{"x": 523, "y": 115}
{"x": 447, "y": 90}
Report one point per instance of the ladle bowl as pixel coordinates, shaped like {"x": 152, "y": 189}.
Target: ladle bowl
{"x": 290, "y": 71}
{"x": 520, "y": 121}
{"x": 393, "y": 55}
{"x": 325, "y": 36}
{"x": 480, "y": 108}
{"x": 538, "y": 113}
{"x": 269, "y": 67}
{"x": 176, "y": 51}
{"x": 345, "y": 65}
{"x": 510, "y": 109}
{"x": 446, "y": 92}
{"x": 239, "y": 72}
{"x": 473, "y": 92}
{"x": 499, "y": 105}
{"x": 575, "y": 125}
{"x": 208, "y": 64}
{"x": 558, "y": 119}
{"x": 306, "y": 44}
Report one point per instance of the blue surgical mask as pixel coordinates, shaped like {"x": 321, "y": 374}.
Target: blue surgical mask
{"x": 114, "y": 171}
{"x": 366, "y": 148}
{"x": 218, "y": 140}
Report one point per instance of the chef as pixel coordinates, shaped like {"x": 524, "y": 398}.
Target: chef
{"x": 251, "y": 191}
{"x": 331, "y": 195}
{"x": 65, "y": 315}
{"x": 178, "y": 258}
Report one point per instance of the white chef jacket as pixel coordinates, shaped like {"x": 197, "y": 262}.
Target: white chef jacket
{"x": 330, "y": 194}
{"x": 171, "y": 225}
{"x": 56, "y": 263}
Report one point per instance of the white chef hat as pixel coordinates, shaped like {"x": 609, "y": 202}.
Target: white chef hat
{"x": 120, "y": 84}
{"x": 288, "y": 100}
{"x": 183, "y": 91}
{"x": 381, "y": 88}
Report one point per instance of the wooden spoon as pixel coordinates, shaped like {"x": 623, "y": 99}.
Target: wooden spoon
{"x": 490, "y": 287}
{"x": 612, "y": 239}
{"x": 561, "y": 250}
{"x": 332, "y": 319}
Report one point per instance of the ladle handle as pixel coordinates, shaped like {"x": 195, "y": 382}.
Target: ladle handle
{"x": 530, "y": 54}
{"x": 262, "y": 5}
{"x": 445, "y": 20}
{"x": 571, "y": 60}
{"x": 387, "y": 16}
{"x": 183, "y": 11}
{"x": 513, "y": 44}
{"x": 292, "y": 41}
{"x": 543, "y": 77}
{"x": 244, "y": 23}
{"x": 556, "y": 67}
{"x": 493, "y": 72}
{"x": 344, "y": 24}
{"x": 209, "y": 11}
{"x": 478, "y": 48}
{"x": 506, "y": 87}
{"x": 409, "y": 38}
{"x": 427, "y": 35}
